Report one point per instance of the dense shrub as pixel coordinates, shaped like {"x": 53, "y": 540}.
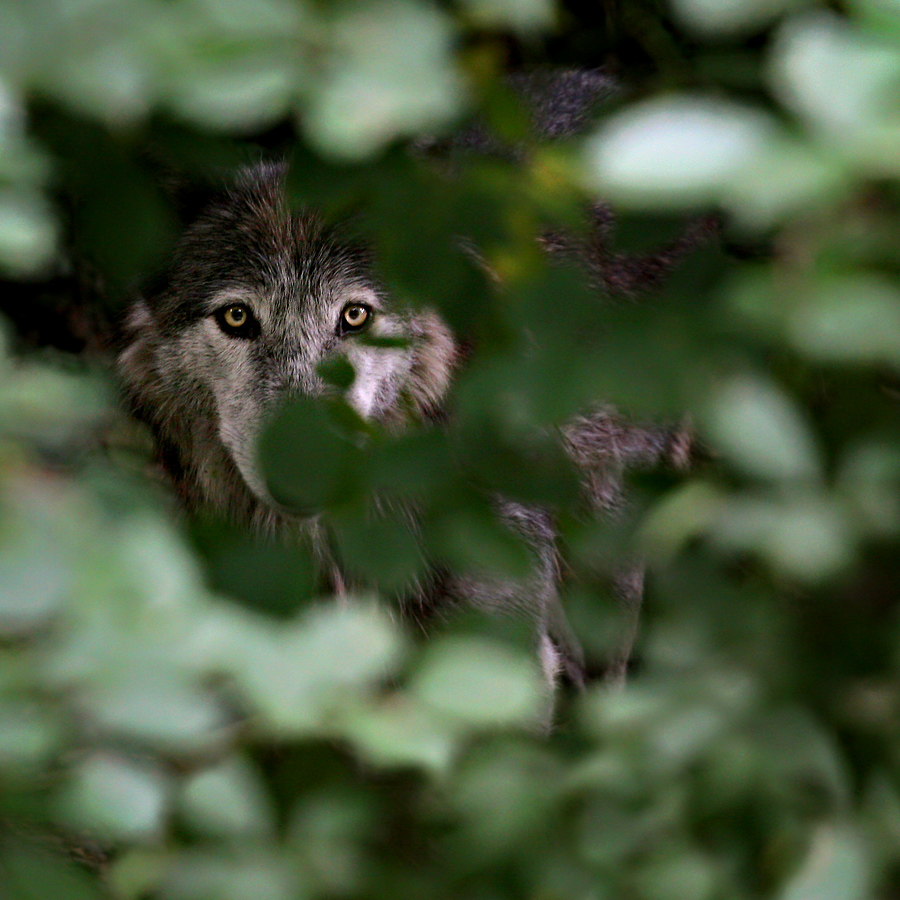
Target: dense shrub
{"x": 182, "y": 716}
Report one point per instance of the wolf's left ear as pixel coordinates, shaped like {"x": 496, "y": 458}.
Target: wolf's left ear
{"x": 435, "y": 356}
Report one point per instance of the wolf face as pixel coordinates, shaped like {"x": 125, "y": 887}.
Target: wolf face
{"x": 256, "y": 298}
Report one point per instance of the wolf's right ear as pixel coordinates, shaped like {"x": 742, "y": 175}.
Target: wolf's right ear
{"x": 135, "y": 361}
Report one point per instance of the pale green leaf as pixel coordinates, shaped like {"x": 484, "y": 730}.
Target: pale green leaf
{"x": 478, "y": 682}
{"x": 319, "y": 664}
{"x": 113, "y": 798}
{"x": 835, "y": 868}
{"x": 156, "y": 710}
{"x": 253, "y": 875}
{"x": 849, "y": 320}
{"x": 806, "y": 537}
{"x": 730, "y": 17}
{"x": 673, "y": 151}
{"x": 28, "y": 232}
{"x": 839, "y": 80}
{"x": 391, "y": 75}
{"x": 761, "y": 430}
{"x": 399, "y": 731}
{"x": 227, "y": 800}
{"x": 519, "y": 15}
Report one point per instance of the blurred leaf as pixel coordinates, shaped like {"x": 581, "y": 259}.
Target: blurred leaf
{"x": 835, "y": 868}
{"x": 787, "y": 178}
{"x": 121, "y": 220}
{"x": 380, "y": 549}
{"x": 762, "y": 430}
{"x": 227, "y": 800}
{"x": 28, "y": 232}
{"x": 268, "y": 574}
{"x": 504, "y": 794}
{"x": 391, "y": 76}
{"x": 38, "y": 562}
{"x": 337, "y": 371}
{"x": 732, "y": 17}
{"x": 685, "y": 513}
{"x": 480, "y": 683}
{"x": 330, "y": 833}
{"x": 805, "y": 537}
{"x": 673, "y": 152}
{"x": 849, "y": 320}
{"x": 474, "y": 541}
{"x": 519, "y": 15}
{"x": 50, "y": 407}
{"x": 677, "y": 875}
{"x": 136, "y": 872}
{"x": 251, "y": 875}
{"x": 30, "y": 737}
{"x": 116, "y": 799}
{"x": 152, "y": 710}
{"x": 870, "y": 477}
{"x": 804, "y": 763}
{"x": 839, "y": 80}
{"x": 400, "y": 731}
{"x": 320, "y": 664}
{"x": 309, "y": 465}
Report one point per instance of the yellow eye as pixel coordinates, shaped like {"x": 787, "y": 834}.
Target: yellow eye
{"x": 235, "y": 316}
{"x": 355, "y": 315}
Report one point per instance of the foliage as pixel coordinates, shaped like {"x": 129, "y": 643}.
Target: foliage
{"x": 177, "y": 699}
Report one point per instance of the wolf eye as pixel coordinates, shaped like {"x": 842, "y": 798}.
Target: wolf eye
{"x": 235, "y": 316}
{"x": 236, "y": 320}
{"x": 354, "y": 316}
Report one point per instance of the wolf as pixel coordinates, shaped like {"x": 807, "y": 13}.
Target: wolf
{"x": 258, "y": 294}
{"x": 256, "y": 297}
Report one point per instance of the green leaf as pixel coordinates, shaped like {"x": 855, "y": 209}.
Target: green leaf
{"x": 401, "y": 731}
{"x": 481, "y": 683}
{"x": 113, "y": 798}
{"x": 30, "y": 737}
{"x": 30, "y": 871}
{"x": 683, "y": 514}
{"x": 787, "y": 178}
{"x": 854, "y": 319}
{"x": 520, "y": 15}
{"x": 681, "y": 874}
{"x": 835, "y": 868}
{"x": 337, "y": 371}
{"x": 806, "y": 537}
{"x": 319, "y": 665}
{"x": 158, "y": 711}
{"x": 28, "y": 232}
{"x": 227, "y": 800}
{"x": 251, "y": 875}
{"x": 390, "y": 75}
{"x": 308, "y": 464}
{"x": 762, "y": 430}
{"x": 731, "y": 17}
{"x": 838, "y": 79}
{"x": 675, "y": 151}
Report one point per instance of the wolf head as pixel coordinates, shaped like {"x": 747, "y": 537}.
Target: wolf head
{"x": 256, "y": 298}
